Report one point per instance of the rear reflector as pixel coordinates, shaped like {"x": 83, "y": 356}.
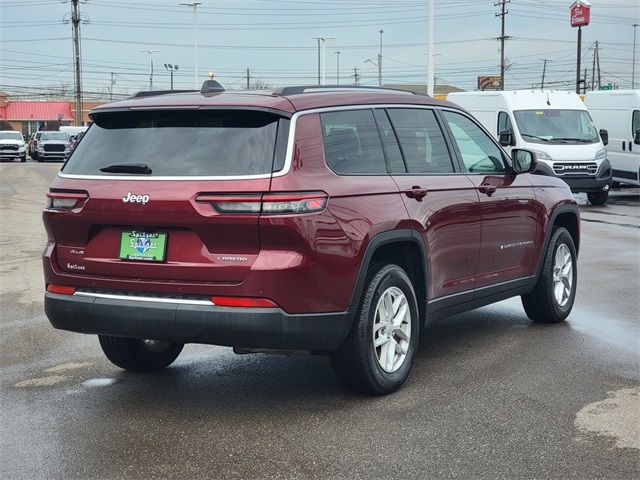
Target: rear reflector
{"x": 268, "y": 203}
{"x": 61, "y": 289}
{"x": 246, "y": 302}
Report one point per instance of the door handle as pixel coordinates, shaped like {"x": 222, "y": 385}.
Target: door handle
{"x": 416, "y": 192}
{"x": 488, "y": 190}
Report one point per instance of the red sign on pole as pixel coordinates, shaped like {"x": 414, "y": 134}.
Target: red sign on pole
{"x": 580, "y": 13}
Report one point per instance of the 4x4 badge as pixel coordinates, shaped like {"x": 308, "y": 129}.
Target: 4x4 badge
{"x": 133, "y": 198}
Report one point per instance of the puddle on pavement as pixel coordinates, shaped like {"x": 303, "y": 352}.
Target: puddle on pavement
{"x": 98, "y": 382}
{"x": 616, "y": 417}
{"x": 64, "y": 367}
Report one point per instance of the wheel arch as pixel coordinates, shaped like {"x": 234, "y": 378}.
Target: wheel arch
{"x": 567, "y": 216}
{"x": 403, "y": 247}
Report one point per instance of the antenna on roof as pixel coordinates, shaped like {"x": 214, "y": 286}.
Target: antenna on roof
{"x": 211, "y": 86}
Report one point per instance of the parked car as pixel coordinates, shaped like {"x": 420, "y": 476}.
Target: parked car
{"x": 12, "y": 146}
{"x": 331, "y": 221}
{"x": 555, "y": 125}
{"x": 51, "y": 145}
{"x": 618, "y": 112}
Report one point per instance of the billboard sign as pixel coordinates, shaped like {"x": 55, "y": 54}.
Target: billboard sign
{"x": 580, "y": 13}
{"x": 489, "y": 82}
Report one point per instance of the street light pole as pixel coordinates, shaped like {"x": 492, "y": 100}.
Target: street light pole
{"x": 172, "y": 69}
{"x": 430, "y": 52}
{"x": 633, "y": 65}
{"x": 338, "y": 68}
{"x": 150, "y": 52}
{"x": 380, "y": 61}
{"x": 194, "y": 5}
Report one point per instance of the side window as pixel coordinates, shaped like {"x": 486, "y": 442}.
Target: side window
{"x": 352, "y": 143}
{"x": 389, "y": 142}
{"x": 504, "y": 123}
{"x": 421, "y": 140}
{"x": 479, "y": 153}
{"x": 635, "y": 122}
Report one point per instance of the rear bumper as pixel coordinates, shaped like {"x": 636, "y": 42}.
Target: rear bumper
{"x": 190, "y": 323}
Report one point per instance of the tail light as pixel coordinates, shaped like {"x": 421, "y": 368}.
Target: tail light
{"x": 268, "y": 203}
{"x": 65, "y": 200}
{"x": 247, "y": 302}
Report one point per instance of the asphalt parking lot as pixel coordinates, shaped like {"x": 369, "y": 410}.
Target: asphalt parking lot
{"x": 491, "y": 395}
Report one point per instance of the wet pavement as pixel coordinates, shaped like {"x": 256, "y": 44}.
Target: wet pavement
{"x": 490, "y": 396}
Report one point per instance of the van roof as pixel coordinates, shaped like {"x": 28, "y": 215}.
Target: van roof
{"x": 288, "y": 100}
{"x": 518, "y": 99}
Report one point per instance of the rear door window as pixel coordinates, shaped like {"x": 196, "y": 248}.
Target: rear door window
{"x": 635, "y": 122}
{"x": 352, "y": 142}
{"x": 183, "y": 143}
{"x": 421, "y": 140}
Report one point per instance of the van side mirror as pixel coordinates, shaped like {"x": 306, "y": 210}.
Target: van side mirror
{"x": 524, "y": 161}
{"x": 636, "y": 137}
{"x": 604, "y": 135}
{"x": 506, "y": 139}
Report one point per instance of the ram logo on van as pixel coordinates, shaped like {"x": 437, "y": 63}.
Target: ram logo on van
{"x": 136, "y": 198}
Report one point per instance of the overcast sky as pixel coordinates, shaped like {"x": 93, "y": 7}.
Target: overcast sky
{"x": 274, "y": 38}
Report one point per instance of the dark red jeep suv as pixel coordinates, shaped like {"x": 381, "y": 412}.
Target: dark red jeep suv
{"x": 334, "y": 221}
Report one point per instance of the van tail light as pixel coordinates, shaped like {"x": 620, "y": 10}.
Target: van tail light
{"x": 247, "y": 302}
{"x": 65, "y": 200}
{"x": 60, "y": 289}
{"x": 268, "y": 203}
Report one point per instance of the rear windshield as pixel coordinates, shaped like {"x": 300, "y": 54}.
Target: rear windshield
{"x": 183, "y": 143}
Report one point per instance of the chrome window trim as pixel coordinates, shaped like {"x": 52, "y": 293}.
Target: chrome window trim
{"x": 288, "y": 160}
{"x": 135, "y": 298}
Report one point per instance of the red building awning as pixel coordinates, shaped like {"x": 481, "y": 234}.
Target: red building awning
{"x": 36, "y": 110}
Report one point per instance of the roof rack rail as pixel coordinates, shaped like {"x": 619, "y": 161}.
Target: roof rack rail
{"x": 299, "y": 89}
{"x": 154, "y": 93}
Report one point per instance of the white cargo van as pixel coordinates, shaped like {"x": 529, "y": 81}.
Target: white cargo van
{"x": 555, "y": 125}
{"x": 618, "y": 111}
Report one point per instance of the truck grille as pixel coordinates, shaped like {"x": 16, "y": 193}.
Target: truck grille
{"x": 54, "y": 147}
{"x": 9, "y": 148}
{"x": 575, "y": 168}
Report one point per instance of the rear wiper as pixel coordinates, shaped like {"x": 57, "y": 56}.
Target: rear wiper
{"x": 535, "y": 136}
{"x": 137, "y": 168}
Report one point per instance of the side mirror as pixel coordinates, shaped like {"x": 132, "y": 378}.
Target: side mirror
{"x": 524, "y": 161}
{"x": 506, "y": 139}
{"x": 636, "y": 137}
{"x": 604, "y": 135}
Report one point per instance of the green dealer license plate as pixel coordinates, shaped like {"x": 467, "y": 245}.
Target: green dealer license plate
{"x": 148, "y": 247}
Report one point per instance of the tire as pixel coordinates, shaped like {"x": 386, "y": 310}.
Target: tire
{"x": 23, "y": 158}
{"x": 598, "y": 198}
{"x": 139, "y": 355}
{"x": 356, "y": 363}
{"x": 34, "y": 155}
{"x": 542, "y": 305}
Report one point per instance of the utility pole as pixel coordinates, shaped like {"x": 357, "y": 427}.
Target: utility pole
{"x": 430, "y": 50}
{"x": 633, "y": 65}
{"x": 337, "y": 67}
{"x": 111, "y": 85}
{"x": 150, "y": 52}
{"x": 356, "y": 76}
{"x": 596, "y": 59}
{"x": 248, "y": 79}
{"x": 194, "y": 5}
{"x": 75, "y": 22}
{"x": 598, "y": 65}
{"x": 503, "y": 12}
{"x": 172, "y": 68}
{"x": 321, "y": 59}
{"x": 380, "y": 61}
{"x": 544, "y": 71}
